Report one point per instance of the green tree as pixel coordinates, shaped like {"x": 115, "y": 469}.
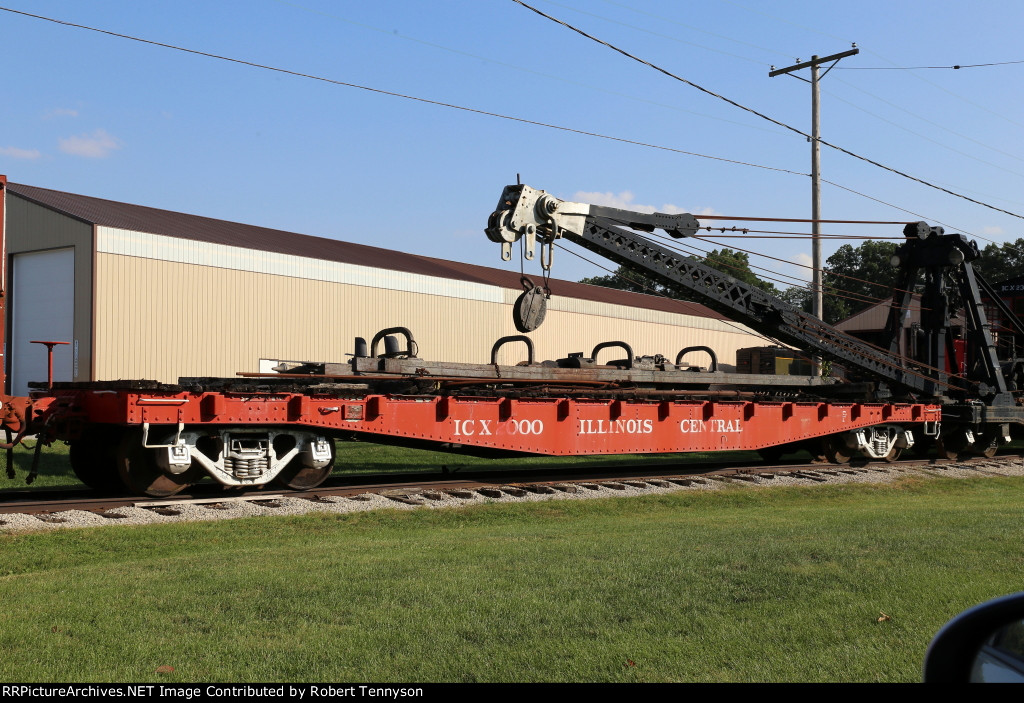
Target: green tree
{"x": 733, "y": 263}
{"x": 857, "y": 278}
{"x": 625, "y": 279}
{"x": 1000, "y": 262}
{"x": 737, "y": 265}
{"x": 799, "y": 297}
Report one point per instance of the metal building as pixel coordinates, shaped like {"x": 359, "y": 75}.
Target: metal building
{"x": 147, "y": 293}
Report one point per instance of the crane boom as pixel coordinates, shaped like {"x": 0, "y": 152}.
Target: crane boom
{"x": 539, "y": 217}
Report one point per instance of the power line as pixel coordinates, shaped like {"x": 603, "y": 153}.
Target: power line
{"x": 923, "y": 217}
{"x": 979, "y": 106}
{"x": 743, "y": 234}
{"x": 702, "y": 30}
{"x": 895, "y": 207}
{"x": 299, "y": 74}
{"x": 916, "y": 114}
{"x": 677, "y": 245}
{"x": 459, "y": 52}
{"x": 762, "y": 115}
{"x": 875, "y": 53}
{"x": 919, "y": 68}
{"x": 652, "y": 33}
{"x": 898, "y": 107}
{"x": 689, "y": 249}
{"x": 477, "y": 111}
{"x": 936, "y": 142}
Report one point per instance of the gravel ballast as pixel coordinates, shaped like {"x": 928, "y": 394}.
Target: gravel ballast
{"x": 230, "y": 509}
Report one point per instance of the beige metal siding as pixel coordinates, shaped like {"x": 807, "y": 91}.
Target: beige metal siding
{"x": 876, "y": 317}
{"x": 31, "y": 227}
{"x": 167, "y": 307}
{"x": 565, "y": 332}
{"x": 188, "y": 251}
{"x": 160, "y": 320}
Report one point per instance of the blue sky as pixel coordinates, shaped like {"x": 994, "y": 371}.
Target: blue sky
{"x": 111, "y": 118}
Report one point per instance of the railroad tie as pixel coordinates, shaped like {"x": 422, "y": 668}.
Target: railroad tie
{"x": 460, "y": 493}
{"x": 538, "y": 488}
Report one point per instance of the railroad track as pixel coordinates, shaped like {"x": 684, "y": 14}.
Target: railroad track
{"x": 423, "y": 489}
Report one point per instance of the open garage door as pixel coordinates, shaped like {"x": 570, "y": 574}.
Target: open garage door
{"x": 43, "y": 308}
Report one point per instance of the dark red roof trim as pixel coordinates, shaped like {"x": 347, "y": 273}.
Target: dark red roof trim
{"x": 138, "y": 218}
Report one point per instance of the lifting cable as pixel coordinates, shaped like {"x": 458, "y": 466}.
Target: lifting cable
{"x": 850, "y": 295}
{"x": 671, "y": 244}
{"x": 824, "y": 271}
{"x": 736, "y": 233}
{"x": 843, "y": 340}
{"x": 804, "y": 220}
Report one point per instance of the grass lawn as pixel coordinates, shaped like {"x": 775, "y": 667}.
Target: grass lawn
{"x": 784, "y": 584}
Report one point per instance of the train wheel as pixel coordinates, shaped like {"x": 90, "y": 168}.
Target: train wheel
{"x": 986, "y": 444}
{"x": 140, "y": 473}
{"x": 302, "y": 478}
{"x": 93, "y": 457}
{"x": 949, "y": 448}
{"x": 835, "y": 450}
{"x": 988, "y": 452}
{"x": 893, "y": 455}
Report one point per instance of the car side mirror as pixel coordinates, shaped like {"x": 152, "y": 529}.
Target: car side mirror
{"x": 982, "y": 644}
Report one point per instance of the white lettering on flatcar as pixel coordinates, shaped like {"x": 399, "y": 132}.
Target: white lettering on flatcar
{"x": 468, "y": 428}
{"x": 714, "y": 425}
{"x": 524, "y": 427}
{"x": 631, "y": 426}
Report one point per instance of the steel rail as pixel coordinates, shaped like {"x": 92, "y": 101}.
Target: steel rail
{"x": 405, "y": 487}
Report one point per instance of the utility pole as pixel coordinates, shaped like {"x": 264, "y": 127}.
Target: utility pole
{"x": 816, "y": 263}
